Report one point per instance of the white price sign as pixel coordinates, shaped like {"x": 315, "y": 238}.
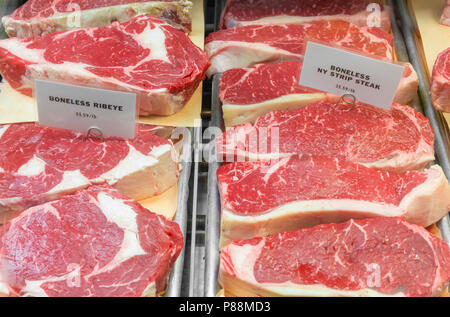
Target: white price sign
{"x": 82, "y": 109}
{"x": 340, "y": 72}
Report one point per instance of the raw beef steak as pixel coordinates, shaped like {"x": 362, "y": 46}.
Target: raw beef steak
{"x": 38, "y": 17}
{"x": 397, "y": 140}
{"x": 263, "y": 198}
{"x": 445, "y": 17}
{"x": 145, "y": 56}
{"x": 369, "y": 257}
{"x": 247, "y": 93}
{"x": 39, "y": 164}
{"x": 440, "y": 82}
{"x": 238, "y": 13}
{"x": 94, "y": 243}
{"x": 253, "y": 44}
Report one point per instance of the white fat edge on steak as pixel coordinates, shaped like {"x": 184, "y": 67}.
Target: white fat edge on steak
{"x": 235, "y": 114}
{"x": 431, "y": 198}
{"x": 356, "y": 19}
{"x": 94, "y": 14}
{"x": 117, "y": 212}
{"x": 161, "y": 99}
{"x": 401, "y": 161}
{"x": 133, "y": 162}
{"x": 360, "y": 207}
{"x": 243, "y": 259}
{"x": 290, "y": 289}
{"x": 225, "y": 55}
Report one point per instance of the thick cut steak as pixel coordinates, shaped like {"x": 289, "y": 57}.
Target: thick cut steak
{"x": 398, "y": 139}
{"x": 38, "y": 17}
{"x": 370, "y": 257}
{"x": 445, "y": 17}
{"x": 97, "y": 242}
{"x": 440, "y": 82}
{"x": 263, "y": 198}
{"x": 238, "y": 13}
{"x": 39, "y": 164}
{"x": 145, "y": 56}
{"x": 247, "y": 93}
{"x": 253, "y": 44}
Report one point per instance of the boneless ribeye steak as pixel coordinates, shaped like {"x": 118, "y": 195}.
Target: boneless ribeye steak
{"x": 253, "y": 44}
{"x": 247, "y": 93}
{"x": 39, "y": 164}
{"x": 263, "y": 198}
{"x": 145, "y": 56}
{"x": 238, "y": 13}
{"x": 97, "y": 242}
{"x": 398, "y": 139}
{"x": 38, "y": 17}
{"x": 440, "y": 82}
{"x": 445, "y": 17}
{"x": 379, "y": 256}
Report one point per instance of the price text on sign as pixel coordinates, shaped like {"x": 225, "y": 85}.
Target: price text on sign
{"x": 340, "y": 72}
{"x": 82, "y": 108}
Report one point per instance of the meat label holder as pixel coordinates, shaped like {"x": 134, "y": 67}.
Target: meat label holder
{"x": 340, "y": 72}
{"x": 96, "y": 112}
{"x": 347, "y": 99}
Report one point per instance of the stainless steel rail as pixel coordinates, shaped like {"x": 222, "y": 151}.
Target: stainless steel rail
{"x": 176, "y": 276}
{"x": 213, "y": 216}
{"x": 194, "y": 222}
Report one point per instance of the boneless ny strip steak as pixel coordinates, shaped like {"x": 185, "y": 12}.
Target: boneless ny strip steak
{"x": 97, "y": 242}
{"x": 440, "y": 82}
{"x": 238, "y": 13}
{"x": 398, "y": 139}
{"x": 247, "y": 93}
{"x": 253, "y": 44}
{"x": 39, "y": 164}
{"x": 38, "y": 17}
{"x": 145, "y": 56}
{"x": 370, "y": 257}
{"x": 263, "y": 198}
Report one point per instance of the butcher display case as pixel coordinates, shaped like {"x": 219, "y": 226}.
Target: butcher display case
{"x": 195, "y": 204}
{"x": 407, "y": 49}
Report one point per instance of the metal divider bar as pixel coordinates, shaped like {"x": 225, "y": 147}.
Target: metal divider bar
{"x": 197, "y": 156}
{"x": 213, "y": 215}
{"x": 176, "y": 276}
